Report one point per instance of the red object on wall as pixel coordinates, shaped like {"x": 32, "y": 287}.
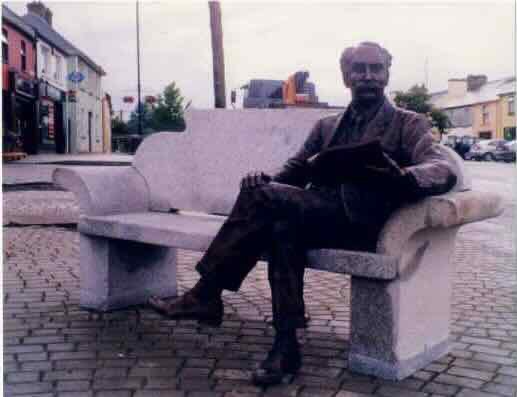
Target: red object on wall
{"x": 14, "y": 40}
{"x": 128, "y": 99}
{"x": 5, "y": 77}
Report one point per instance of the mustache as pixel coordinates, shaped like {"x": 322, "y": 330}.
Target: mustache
{"x": 368, "y": 87}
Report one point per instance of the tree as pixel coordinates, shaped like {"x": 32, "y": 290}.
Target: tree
{"x": 147, "y": 115}
{"x": 168, "y": 113}
{"x": 118, "y": 127}
{"x": 417, "y": 99}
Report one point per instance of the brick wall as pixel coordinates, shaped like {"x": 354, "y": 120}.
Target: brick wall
{"x": 14, "y": 38}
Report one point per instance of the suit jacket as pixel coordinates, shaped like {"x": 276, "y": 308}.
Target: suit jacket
{"x": 406, "y": 137}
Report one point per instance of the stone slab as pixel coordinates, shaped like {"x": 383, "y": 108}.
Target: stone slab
{"x": 399, "y": 369}
{"x": 196, "y": 231}
{"x": 200, "y": 169}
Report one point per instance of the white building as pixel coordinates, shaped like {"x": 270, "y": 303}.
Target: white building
{"x": 82, "y": 113}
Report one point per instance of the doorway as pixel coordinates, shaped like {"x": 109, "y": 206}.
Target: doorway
{"x": 90, "y": 116}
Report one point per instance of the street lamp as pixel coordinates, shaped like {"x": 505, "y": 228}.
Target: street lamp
{"x": 139, "y": 106}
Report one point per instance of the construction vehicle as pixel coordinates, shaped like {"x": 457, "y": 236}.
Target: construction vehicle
{"x": 296, "y": 91}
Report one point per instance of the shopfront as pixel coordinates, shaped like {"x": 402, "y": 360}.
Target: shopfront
{"x": 51, "y": 119}
{"x": 20, "y": 110}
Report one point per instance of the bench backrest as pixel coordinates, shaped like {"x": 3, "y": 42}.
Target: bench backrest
{"x": 200, "y": 169}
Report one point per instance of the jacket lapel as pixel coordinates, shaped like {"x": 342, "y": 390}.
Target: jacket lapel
{"x": 335, "y": 127}
{"x": 380, "y": 122}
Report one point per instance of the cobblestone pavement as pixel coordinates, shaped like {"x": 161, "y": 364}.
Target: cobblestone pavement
{"x": 54, "y": 348}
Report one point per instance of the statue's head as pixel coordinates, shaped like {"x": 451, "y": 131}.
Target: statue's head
{"x": 365, "y": 70}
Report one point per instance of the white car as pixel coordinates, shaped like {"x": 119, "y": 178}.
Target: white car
{"x": 485, "y": 150}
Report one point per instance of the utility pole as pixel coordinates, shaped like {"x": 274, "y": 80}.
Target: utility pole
{"x": 217, "y": 53}
{"x": 139, "y": 106}
{"x": 426, "y": 71}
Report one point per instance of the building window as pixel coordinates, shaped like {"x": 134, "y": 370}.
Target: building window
{"x": 46, "y": 60}
{"x": 511, "y": 106}
{"x": 5, "y": 47}
{"x": 23, "y": 54}
{"x": 59, "y": 69}
{"x": 485, "y": 115}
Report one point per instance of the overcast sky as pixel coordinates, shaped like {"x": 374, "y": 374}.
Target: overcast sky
{"x": 272, "y": 40}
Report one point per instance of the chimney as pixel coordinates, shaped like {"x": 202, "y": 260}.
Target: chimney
{"x": 38, "y": 8}
{"x": 475, "y": 81}
{"x": 457, "y": 87}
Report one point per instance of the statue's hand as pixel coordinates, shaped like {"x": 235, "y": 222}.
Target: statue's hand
{"x": 254, "y": 179}
{"x": 391, "y": 170}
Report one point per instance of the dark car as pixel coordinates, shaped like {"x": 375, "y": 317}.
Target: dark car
{"x": 505, "y": 152}
{"x": 461, "y": 144}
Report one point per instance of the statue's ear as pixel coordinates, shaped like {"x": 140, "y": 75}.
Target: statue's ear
{"x": 346, "y": 79}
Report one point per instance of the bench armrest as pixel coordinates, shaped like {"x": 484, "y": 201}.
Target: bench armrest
{"x": 445, "y": 211}
{"x": 106, "y": 190}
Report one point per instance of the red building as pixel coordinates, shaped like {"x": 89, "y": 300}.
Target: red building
{"x": 19, "y": 84}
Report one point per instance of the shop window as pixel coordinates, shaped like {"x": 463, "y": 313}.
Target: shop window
{"x": 511, "y": 106}
{"x": 485, "y": 134}
{"x": 509, "y": 133}
{"x": 5, "y": 47}
{"x": 23, "y": 54}
{"x": 485, "y": 115}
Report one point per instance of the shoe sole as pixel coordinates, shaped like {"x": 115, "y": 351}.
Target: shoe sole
{"x": 210, "y": 321}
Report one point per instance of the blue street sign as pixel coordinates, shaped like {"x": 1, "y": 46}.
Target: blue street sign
{"x": 76, "y": 77}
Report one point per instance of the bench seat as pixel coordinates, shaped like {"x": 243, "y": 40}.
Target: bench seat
{"x": 194, "y": 232}
{"x": 400, "y": 296}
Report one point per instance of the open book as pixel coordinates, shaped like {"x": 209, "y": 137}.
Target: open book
{"x": 349, "y": 163}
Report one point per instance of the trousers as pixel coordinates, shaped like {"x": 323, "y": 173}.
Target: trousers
{"x": 281, "y": 222}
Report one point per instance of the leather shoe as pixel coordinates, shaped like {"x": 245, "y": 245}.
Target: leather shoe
{"x": 189, "y": 306}
{"x": 283, "y": 359}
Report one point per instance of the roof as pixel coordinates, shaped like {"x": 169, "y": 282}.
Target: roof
{"x": 48, "y": 34}
{"x": 488, "y": 92}
{"x": 17, "y": 22}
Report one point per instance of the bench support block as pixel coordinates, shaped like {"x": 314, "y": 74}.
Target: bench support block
{"x": 400, "y": 326}
{"x": 119, "y": 273}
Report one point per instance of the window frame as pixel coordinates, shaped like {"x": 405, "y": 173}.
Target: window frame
{"x": 23, "y": 55}
{"x": 511, "y": 105}
{"x": 485, "y": 115}
{"x": 5, "y": 46}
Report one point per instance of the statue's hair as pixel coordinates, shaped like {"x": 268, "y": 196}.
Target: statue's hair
{"x": 348, "y": 55}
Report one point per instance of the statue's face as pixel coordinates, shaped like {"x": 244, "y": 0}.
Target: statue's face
{"x": 367, "y": 75}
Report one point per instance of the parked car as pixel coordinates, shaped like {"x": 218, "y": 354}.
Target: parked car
{"x": 507, "y": 153}
{"x": 487, "y": 150}
{"x": 461, "y": 144}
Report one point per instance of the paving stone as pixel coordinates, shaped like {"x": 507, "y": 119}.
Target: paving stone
{"x": 470, "y": 373}
{"x": 73, "y": 385}
{"x": 507, "y": 380}
{"x": 499, "y": 389}
{"x": 440, "y": 388}
{"x": 473, "y": 393}
{"x": 390, "y": 391}
{"x": 159, "y": 393}
{"x": 140, "y": 353}
{"x": 27, "y": 388}
{"x": 459, "y": 381}
{"x": 22, "y": 377}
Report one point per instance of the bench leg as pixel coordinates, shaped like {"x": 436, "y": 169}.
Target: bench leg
{"x": 400, "y": 326}
{"x": 119, "y": 273}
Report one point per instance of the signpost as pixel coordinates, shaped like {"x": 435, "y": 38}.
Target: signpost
{"x": 76, "y": 77}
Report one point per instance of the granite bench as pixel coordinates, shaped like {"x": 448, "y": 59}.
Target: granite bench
{"x": 133, "y": 220}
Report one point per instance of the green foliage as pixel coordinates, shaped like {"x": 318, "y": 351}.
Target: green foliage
{"x": 417, "y": 99}
{"x": 118, "y": 127}
{"x": 165, "y": 115}
{"x": 168, "y": 113}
